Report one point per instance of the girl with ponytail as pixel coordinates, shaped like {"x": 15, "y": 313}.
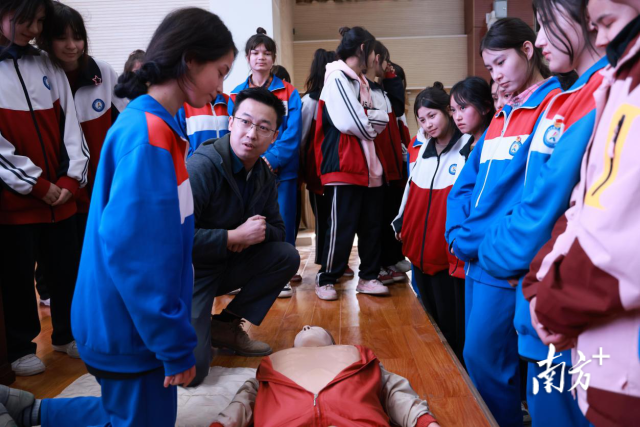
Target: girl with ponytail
{"x": 131, "y": 313}
{"x": 419, "y": 224}
{"x": 489, "y": 186}
{"x": 283, "y": 156}
{"x": 349, "y": 165}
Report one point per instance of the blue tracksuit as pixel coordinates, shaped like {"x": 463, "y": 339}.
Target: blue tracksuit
{"x": 201, "y": 124}
{"x": 488, "y": 187}
{"x": 511, "y": 243}
{"x": 283, "y": 154}
{"x": 132, "y": 304}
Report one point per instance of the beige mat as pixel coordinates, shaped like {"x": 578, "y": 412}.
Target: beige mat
{"x": 197, "y": 406}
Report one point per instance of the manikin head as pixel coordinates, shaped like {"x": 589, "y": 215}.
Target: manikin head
{"x": 313, "y": 336}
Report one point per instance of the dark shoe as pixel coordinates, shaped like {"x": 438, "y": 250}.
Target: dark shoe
{"x": 231, "y": 335}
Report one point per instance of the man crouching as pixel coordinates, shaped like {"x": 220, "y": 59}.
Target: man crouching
{"x": 239, "y": 237}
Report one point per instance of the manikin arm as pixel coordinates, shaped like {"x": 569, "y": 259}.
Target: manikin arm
{"x": 402, "y": 404}
{"x": 239, "y": 413}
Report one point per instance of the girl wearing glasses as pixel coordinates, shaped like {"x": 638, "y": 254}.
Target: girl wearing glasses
{"x": 282, "y": 157}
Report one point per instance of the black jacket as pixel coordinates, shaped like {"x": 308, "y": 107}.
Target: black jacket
{"x": 218, "y": 204}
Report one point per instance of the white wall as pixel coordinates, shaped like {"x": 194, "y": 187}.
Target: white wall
{"x": 118, "y": 27}
{"x": 243, "y": 17}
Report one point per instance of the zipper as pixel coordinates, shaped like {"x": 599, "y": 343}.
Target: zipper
{"x": 35, "y": 122}
{"x": 611, "y": 158}
{"x": 426, "y": 220}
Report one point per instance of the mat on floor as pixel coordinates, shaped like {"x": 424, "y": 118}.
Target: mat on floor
{"x": 197, "y": 406}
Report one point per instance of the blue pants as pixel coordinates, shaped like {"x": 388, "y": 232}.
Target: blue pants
{"x": 141, "y": 401}
{"x": 287, "y": 190}
{"x": 553, "y": 409}
{"x": 491, "y": 349}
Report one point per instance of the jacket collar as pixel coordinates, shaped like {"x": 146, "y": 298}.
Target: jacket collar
{"x": 147, "y": 104}
{"x": 584, "y": 78}
{"x": 466, "y": 149}
{"x": 541, "y": 93}
{"x": 431, "y": 151}
{"x": 620, "y": 44}
{"x": 276, "y": 84}
{"x": 16, "y": 52}
{"x": 220, "y": 99}
{"x": 266, "y": 372}
{"x": 90, "y": 75}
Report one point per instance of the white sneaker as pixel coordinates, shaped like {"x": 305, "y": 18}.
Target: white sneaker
{"x": 46, "y": 302}
{"x": 372, "y": 287}
{"x": 286, "y": 292}
{"x": 403, "y": 266}
{"x": 326, "y": 292}
{"x": 71, "y": 349}
{"x": 28, "y": 365}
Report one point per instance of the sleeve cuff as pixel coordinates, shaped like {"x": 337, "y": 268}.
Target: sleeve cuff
{"x": 425, "y": 420}
{"x": 68, "y": 183}
{"x": 273, "y": 161}
{"x": 40, "y": 189}
{"x": 174, "y": 367}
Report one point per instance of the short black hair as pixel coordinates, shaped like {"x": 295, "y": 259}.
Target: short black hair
{"x": 263, "y": 96}
{"x": 24, "y": 11}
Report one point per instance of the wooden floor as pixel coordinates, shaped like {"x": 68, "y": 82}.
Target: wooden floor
{"x": 396, "y": 328}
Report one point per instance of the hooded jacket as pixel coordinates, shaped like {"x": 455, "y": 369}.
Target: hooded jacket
{"x": 491, "y": 182}
{"x": 388, "y": 142}
{"x": 97, "y": 108}
{"x": 423, "y": 211}
{"x": 345, "y": 130}
{"x": 202, "y": 124}
{"x": 131, "y": 310}
{"x": 375, "y": 397}
{"x": 218, "y": 203}
{"x": 552, "y": 171}
{"x": 283, "y": 155}
{"x": 586, "y": 277}
{"x": 40, "y": 139}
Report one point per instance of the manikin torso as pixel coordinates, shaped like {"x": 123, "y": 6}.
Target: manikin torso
{"x": 314, "y": 367}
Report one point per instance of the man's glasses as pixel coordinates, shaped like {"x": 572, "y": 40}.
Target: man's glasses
{"x": 260, "y": 130}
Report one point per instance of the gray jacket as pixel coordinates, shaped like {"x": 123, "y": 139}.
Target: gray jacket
{"x": 218, "y": 204}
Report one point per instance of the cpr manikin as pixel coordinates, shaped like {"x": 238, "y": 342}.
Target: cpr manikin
{"x": 322, "y": 384}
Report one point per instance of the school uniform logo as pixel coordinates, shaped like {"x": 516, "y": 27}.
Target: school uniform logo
{"x": 98, "y": 105}
{"x": 45, "y": 80}
{"x": 515, "y": 146}
{"x": 453, "y": 169}
{"x": 553, "y": 134}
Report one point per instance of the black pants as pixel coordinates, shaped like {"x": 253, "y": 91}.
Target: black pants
{"x": 261, "y": 271}
{"x": 391, "y": 247}
{"x": 41, "y": 280}
{"x": 321, "y": 206}
{"x": 443, "y": 297}
{"x": 55, "y": 246}
{"x": 354, "y": 210}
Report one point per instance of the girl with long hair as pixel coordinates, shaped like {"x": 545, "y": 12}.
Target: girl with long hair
{"x": 483, "y": 194}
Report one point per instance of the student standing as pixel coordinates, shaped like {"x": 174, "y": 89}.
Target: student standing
{"x": 282, "y": 157}
{"x": 309, "y": 173}
{"x": 387, "y": 93}
{"x": 552, "y": 170}
{"x": 349, "y": 166}
{"x": 43, "y": 162}
{"x": 92, "y": 83}
{"x": 480, "y": 196}
{"x": 132, "y": 306}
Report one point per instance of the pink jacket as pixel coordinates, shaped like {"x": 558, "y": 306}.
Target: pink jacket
{"x": 586, "y": 278}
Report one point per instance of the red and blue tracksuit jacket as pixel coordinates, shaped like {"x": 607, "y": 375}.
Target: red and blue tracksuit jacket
{"x": 552, "y": 171}
{"x": 413, "y": 149}
{"x": 491, "y": 182}
{"x": 422, "y": 215}
{"x": 202, "y": 124}
{"x": 283, "y": 154}
{"x": 97, "y": 108}
{"x": 40, "y": 138}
